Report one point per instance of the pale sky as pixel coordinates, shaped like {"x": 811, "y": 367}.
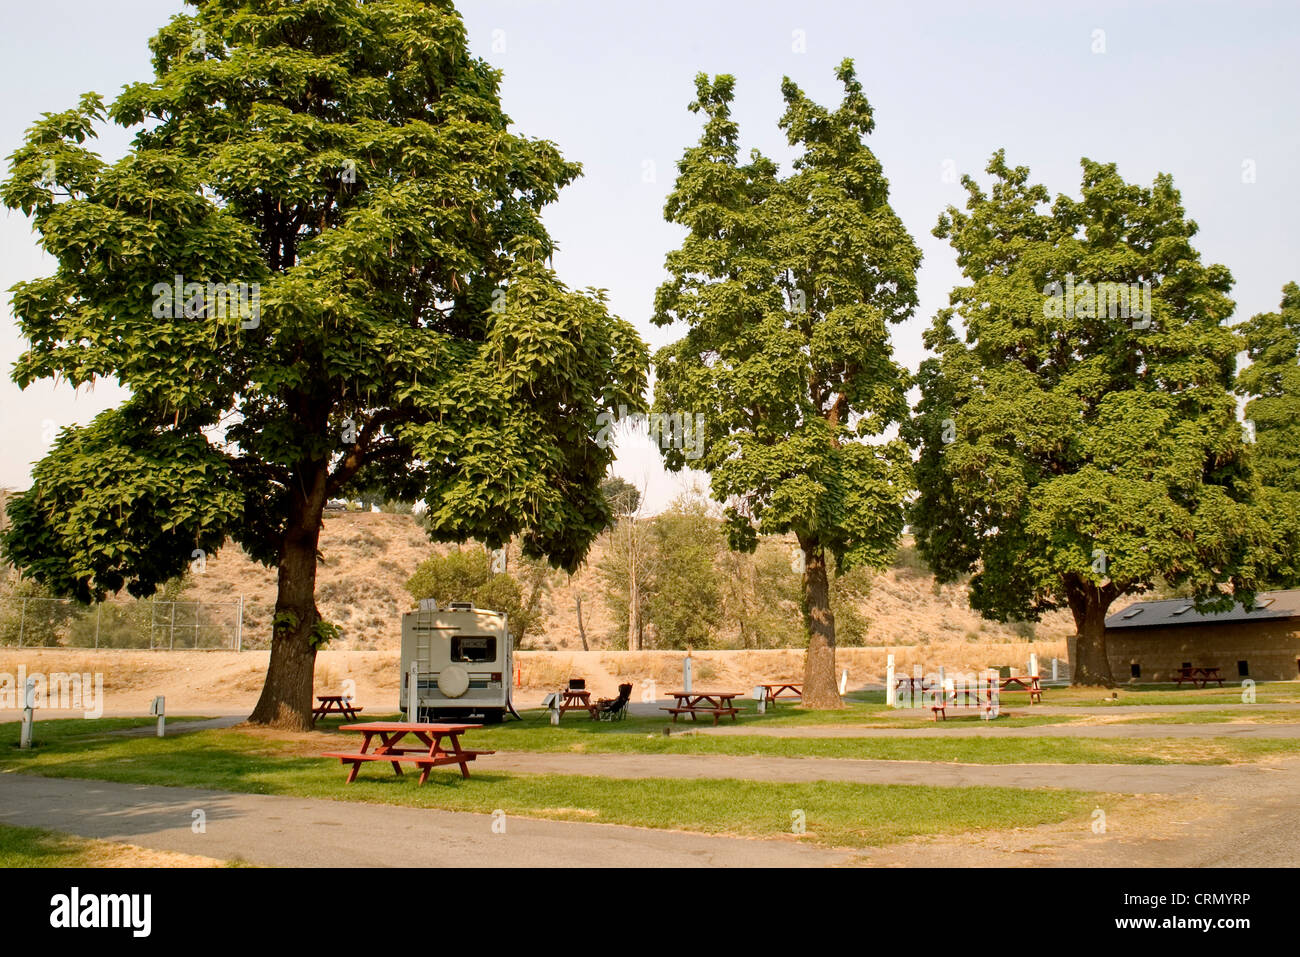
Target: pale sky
{"x": 1192, "y": 89}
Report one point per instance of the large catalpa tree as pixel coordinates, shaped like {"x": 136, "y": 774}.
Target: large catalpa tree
{"x": 788, "y": 287}
{"x": 1079, "y": 442}
{"x": 351, "y": 165}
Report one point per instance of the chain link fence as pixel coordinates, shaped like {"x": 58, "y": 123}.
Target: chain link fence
{"x": 146, "y": 625}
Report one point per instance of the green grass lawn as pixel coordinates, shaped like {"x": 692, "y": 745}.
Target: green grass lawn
{"x": 645, "y": 736}
{"x": 35, "y": 847}
{"x": 838, "y": 814}
{"x": 1266, "y": 692}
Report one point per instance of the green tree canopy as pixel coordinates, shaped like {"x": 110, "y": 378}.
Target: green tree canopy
{"x": 350, "y": 165}
{"x": 788, "y": 287}
{"x": 1073, "y": 449}
{"x": 1272, "y": 380}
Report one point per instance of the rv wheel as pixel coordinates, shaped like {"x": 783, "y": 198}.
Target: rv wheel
{"x": 493, "y": 717}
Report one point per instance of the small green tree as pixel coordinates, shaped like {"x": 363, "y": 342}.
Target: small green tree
{"x": 788, "y": 288}
{"x": 1075, "y": 447}
{"x": 623, "y": 497}
{"x": 761, "y": 595}
{"x": 466, "y": 574}
{"x": 684, "y": 599}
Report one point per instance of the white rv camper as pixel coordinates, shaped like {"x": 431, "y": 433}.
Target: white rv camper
{"x": 465, "y": 662}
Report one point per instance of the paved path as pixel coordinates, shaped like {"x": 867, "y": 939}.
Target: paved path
{"x": 304, "y": 832}
{"x": 1126, "y": 778}
{"x": 984, "y": 729}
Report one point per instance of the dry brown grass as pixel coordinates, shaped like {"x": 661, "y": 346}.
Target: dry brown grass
{"x": 368, "y": 557}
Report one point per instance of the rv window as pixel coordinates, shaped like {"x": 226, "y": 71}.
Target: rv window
{"x": 473, "y": 648}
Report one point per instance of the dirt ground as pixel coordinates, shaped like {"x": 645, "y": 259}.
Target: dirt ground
{"x": 226, "y": 682}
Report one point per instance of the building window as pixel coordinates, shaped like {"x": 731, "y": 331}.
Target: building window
{"x": 1243, "y": 669}
{"x": 1135, "y": 670}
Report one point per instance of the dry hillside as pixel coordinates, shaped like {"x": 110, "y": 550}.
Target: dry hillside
{"x": 368, "y": 556}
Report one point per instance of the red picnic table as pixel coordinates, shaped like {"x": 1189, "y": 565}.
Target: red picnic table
{"x": 777, "y": 689}
{"x": 577, "y": 699}
{"x": 695, "y": 703}
{"x": 1026, "y": 684}
{"x": 334, "y": 704}
{"x": 1198, "y": 676}
{"x": 390, "y": 733}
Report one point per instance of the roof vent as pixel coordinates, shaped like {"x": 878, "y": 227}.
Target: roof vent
{"x": 462, "y": 606}
{"x": 1132, "y": 613}
{"x": 1186, "y": 608}
{"x": 1264, "y": 602}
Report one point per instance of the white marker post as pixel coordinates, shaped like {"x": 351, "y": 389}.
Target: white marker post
{"x": 891, "y": 683}
{"x": 29, "y": 702}
{"x": 844, "y": 681}
{"x": 1033, "y": 664}
{"x": 413, "y": 694}
{"x": 159, "y": 707}
{"x": 686, "y": 673}
{"x": 1055, "y": 673}
{"x": 759, "y": 694}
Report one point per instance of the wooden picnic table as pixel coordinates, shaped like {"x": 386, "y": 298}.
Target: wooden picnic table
{"x": 1026, "y": 684}
{"x": 334, "y": 704}
{"x": 432, "y": 754}
{"x": 577, "y": 699}
{"x": 1198, "y": 676}
{"x": 914, "y": 685}
{"x": 695, "y": 703}
{"x": 776, "y": 689}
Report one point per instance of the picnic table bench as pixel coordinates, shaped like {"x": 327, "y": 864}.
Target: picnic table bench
{"x": 1198, "y": 676}
{"x": 334, "y": 704}
{"x": 1024, "y": 684}
{"x": 778, "y": 689}
{"x": 696, "y": 703}
{"x": 432, "y": 754}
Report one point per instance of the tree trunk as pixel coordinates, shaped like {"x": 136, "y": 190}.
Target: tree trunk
{"x": 820, "y": 689}
{"x": 582, "y": 633}
{"x": 1089, "y": 604}
{"x": 286, "y": 700}
{"x": 633, "y": 591}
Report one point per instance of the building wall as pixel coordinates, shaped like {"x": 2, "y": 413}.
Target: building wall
{"x": 1271, "y": 650}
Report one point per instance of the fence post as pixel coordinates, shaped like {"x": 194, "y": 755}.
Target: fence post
{"x": 22, "y": 622}
{"x": 99, "y": 610}
{"x": 153, "y": 614}
{"x": 239, "y": 626}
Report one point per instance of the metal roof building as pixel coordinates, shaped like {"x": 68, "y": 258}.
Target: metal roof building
{"x": 1153, "y": 640}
